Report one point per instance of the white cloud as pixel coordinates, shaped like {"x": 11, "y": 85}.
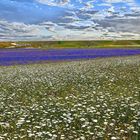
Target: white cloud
{"x": 54, "y": 2}
{"x": 117, "y": 1}
{"x": 21, "y": 31}
{"x": 111, "y": 9}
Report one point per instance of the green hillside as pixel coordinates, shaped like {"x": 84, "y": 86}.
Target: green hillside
{"x": 73, "y": 44}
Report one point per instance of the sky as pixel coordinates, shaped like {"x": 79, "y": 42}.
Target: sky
{"x": 69, "y": 19}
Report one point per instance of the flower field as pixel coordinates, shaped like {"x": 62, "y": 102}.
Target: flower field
{"x": 29, "y": 56}
{"x": 81, "y": 100}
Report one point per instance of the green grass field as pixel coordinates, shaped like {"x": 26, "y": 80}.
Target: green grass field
{"x": 80, "y": 100}
{"x": 75, "y": 44}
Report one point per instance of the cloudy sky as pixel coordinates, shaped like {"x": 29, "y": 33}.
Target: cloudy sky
{"x": 69, "y": 19}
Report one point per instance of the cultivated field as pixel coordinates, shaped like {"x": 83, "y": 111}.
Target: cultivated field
{"x": 82, "y": 100}
{"x": 30, "y": 56}
{"x": 72, "y": 44}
